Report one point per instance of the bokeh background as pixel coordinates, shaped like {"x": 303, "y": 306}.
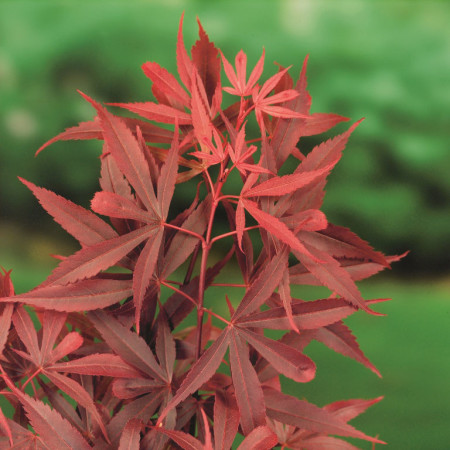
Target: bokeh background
{"x": 387, "y": 61}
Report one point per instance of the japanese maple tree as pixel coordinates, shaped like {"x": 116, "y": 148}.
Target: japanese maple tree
{"x": 103, "y": 333}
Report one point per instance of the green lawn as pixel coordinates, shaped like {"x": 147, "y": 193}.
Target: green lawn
{"x": 410, "y": 346}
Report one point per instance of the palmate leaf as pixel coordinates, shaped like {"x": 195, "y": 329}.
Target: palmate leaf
{"x": 81, "y": 223}
{"x": 130, "y": 438}
{"x": 128, "y": 345}
{"x": 93, "y": 130}
{"x": 278, "y": 186}
{"x": 339, "y": 338}
{"x": 145, "y": 266}
{"x": 284, "y": 358}
{"x": 331, "y": 274}
{"x": 326, "y": 153}
{"x": 166, "y": 83}
{"x": 290, "y": 410}
{"x": 226, "y": 420}
{"x": 203, "y": 369}
{"x": 289, "y": 130}
{"x": 183, "y": 244}
{"x": 184, "y": 440}
{"x": 99, "y": 365}
{"x": 114, "y": 205}
{"x": 78, "y": 393}
{"x": 306, "y": 315}
{"x": 184, "y": 63}
{"x": 339, "y": 241}
{"x": 45, "y": 356}
{"x": 89, "y": 261}
{"x": 157, "y": 112}
{"x": 323, "y": 442}
{"x": 205, "y": 57}
{"x": 128, "y": 155}
{"x": 55, "y": 431}
{"x": 165, "y": 345}
{"x": 276, "y": 228}
{"x": 261, "y": 438}
{"x": 141, "y": 408}
{"x": 263, "y": 286}
{"x": 248, "y": 391}
{"x": 347, "y": 410}
{"x": 168, "y": 176}
{"x": 82, "y": 295}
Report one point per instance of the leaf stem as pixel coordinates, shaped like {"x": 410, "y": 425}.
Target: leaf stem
{"x": 221, "y": 236}
{"x": 184, "y": 230}
{"x": 179, "y": 291}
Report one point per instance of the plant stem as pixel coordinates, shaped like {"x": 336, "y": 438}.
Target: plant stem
{"x": 206, "y": 246}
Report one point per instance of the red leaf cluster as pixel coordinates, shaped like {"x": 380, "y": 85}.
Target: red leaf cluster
{"x": 103, "y": 332}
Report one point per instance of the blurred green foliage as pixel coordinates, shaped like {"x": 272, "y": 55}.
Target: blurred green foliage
{"x": 386, "y": 61}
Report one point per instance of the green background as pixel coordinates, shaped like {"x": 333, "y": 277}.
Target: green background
{"x": 386, "y": 61}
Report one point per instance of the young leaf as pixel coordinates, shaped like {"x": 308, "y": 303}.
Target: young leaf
{"x": 205, "y": 57}
{"x": 165, "y": 82}
{"x": 241, "y": 87}
{"x": 184, "y": 63}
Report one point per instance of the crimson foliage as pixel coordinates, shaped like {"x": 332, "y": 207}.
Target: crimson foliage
{"x": 109, "y": 340}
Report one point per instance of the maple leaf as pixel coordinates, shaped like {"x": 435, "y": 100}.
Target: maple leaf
{"x": 43, "y": 356}
{"x": 241, "y": 86}
{"x": 264, "y": 104}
